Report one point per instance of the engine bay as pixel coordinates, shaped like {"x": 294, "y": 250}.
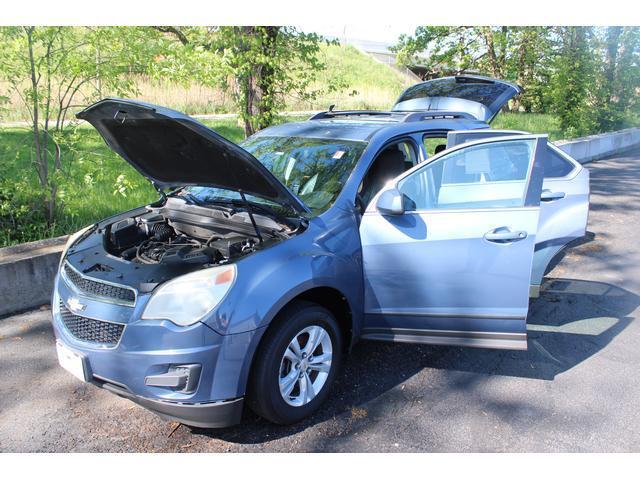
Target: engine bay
{"x": 179, "y": 233}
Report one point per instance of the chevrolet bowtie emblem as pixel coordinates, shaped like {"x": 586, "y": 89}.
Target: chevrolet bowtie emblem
{"x": 75, "y": 305}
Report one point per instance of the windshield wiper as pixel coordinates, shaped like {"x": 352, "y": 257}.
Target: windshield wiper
{"x": 191, "y": 198}
{"x": 236, "y": 202}
{"x": 248, "y": 207}
{"x": 264, "y": 208}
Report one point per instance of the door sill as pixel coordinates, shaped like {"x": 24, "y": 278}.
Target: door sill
{"x": 498, "y": 340}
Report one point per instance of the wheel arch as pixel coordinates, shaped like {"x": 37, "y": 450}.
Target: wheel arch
{"x": 336, "y": 302}
{"x": 326, "y": 296}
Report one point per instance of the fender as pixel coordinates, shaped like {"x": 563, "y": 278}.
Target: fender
{"x": 238, "y": 350}
{"x": 278, "y": 274}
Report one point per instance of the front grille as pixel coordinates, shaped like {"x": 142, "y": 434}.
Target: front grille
{"x": 99, "y": 289}
{"x": 90, "y": 330}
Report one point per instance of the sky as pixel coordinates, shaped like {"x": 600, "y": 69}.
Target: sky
{"x": 365, "y": 31}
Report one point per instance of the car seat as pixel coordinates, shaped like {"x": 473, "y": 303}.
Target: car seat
{"x": 389, "y": 164}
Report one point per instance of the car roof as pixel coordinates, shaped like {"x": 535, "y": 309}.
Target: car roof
{"x": 363, "y": 125}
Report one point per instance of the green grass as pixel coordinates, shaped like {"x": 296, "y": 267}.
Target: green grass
{"x": 530, "y": 122}
{"x": 84, "y": 200}
{"x": 87, "y": 201}
{"x": 89, "y": 177}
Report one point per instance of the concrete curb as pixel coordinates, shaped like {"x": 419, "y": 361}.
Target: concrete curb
{"x": 27, "y": 270}
{"x": 595, "y": 147}
{"x": 26, "y": 274}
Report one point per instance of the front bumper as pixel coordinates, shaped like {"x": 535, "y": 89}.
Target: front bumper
{"x": 149, "y": 348}
{"x": 204, "y": 415}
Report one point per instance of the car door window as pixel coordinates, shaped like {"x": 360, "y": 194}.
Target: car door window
{"x": 555, "y": 165}
{"x": 492, "y": 175}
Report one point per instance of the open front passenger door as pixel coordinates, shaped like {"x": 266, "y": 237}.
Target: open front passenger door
{"x": 448, "y": 246}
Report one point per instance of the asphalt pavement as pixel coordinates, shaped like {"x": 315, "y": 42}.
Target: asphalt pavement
{"x": 575, "y": 389}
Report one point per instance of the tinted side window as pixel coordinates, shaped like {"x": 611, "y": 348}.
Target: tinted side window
{"x": 477, "y": 91}
{"x": 555, "y": 165}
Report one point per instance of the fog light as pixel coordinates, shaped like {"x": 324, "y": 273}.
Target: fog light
{"x": 182, "y": 378}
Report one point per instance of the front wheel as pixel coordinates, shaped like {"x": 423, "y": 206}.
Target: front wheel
{"x": 295, "y": 364}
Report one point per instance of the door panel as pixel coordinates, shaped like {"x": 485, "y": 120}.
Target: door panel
{"x": 565, "y": 200}
{"x": 455, "y": 274}
{"x": 562, "y": 220}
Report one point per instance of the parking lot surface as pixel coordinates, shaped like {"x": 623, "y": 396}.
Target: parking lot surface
{"x": 575, "y": 389}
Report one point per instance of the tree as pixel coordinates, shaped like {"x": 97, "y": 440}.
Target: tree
{"x": 260, "y": 65}
{"x": 54, "y": 69}
{"x": 529, "y": 65}
{"x": 453, "y": 50}
{"x": 510, "y": 53}
{"x": 574, "y": 67}
{"x": 619, "y": 77}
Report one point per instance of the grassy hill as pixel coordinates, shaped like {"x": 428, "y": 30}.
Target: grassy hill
{"x": 371, "y": 84}
{"x": 368, "y": 84}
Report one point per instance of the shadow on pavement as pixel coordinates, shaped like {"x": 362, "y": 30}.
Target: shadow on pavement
{"x": 614, "y": 181}
{"x": 571, "y": 321}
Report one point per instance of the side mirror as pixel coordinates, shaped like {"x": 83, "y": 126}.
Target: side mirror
{"x": 390, "y": 202}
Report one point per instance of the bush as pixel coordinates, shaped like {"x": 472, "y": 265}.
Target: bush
{"x": 22, "y": 218}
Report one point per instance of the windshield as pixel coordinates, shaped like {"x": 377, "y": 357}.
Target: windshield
{"x": 315, "y": 169}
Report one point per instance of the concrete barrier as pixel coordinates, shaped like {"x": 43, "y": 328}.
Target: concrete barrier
{"x": 595, "y": 147}
{"x": 27, "y": 272}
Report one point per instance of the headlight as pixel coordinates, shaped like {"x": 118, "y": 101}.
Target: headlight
{"x": 72, "y": 239}
{"x": 188, "y": 298}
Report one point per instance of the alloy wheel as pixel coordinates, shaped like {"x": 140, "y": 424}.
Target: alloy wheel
{"x": 305, "y": 366}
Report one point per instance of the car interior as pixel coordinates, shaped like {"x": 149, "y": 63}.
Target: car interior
{"x": 433, "y": 143}
{"x": 391, "y": 162}
{"x": 439, "y": 148}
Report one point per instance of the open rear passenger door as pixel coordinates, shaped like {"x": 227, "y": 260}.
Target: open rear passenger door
{"x": 564, "y": 207}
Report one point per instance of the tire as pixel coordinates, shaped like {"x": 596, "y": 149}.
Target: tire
{"x": 271, "y": 366}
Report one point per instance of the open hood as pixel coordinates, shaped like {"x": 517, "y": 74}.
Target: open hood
{"x": 172, "y": 149}
{"x": 482, "y": 97}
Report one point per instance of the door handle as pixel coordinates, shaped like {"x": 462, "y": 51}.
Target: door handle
{"x": 549, "y": 196}
{"x": 504, "y": 235}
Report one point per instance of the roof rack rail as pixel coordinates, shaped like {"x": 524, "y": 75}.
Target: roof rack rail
{"x": 352, "y": 113}
{"x": 402, "y": 116}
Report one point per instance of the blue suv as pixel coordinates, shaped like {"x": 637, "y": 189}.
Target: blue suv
{"x": 261, "y": 264}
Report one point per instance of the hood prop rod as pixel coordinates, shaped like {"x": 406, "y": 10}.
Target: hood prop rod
{"x": 160, "y": 191}
{"x": 250, "y": 212}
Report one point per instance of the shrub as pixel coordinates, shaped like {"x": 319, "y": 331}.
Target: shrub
{"x": 22, "y": 217}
